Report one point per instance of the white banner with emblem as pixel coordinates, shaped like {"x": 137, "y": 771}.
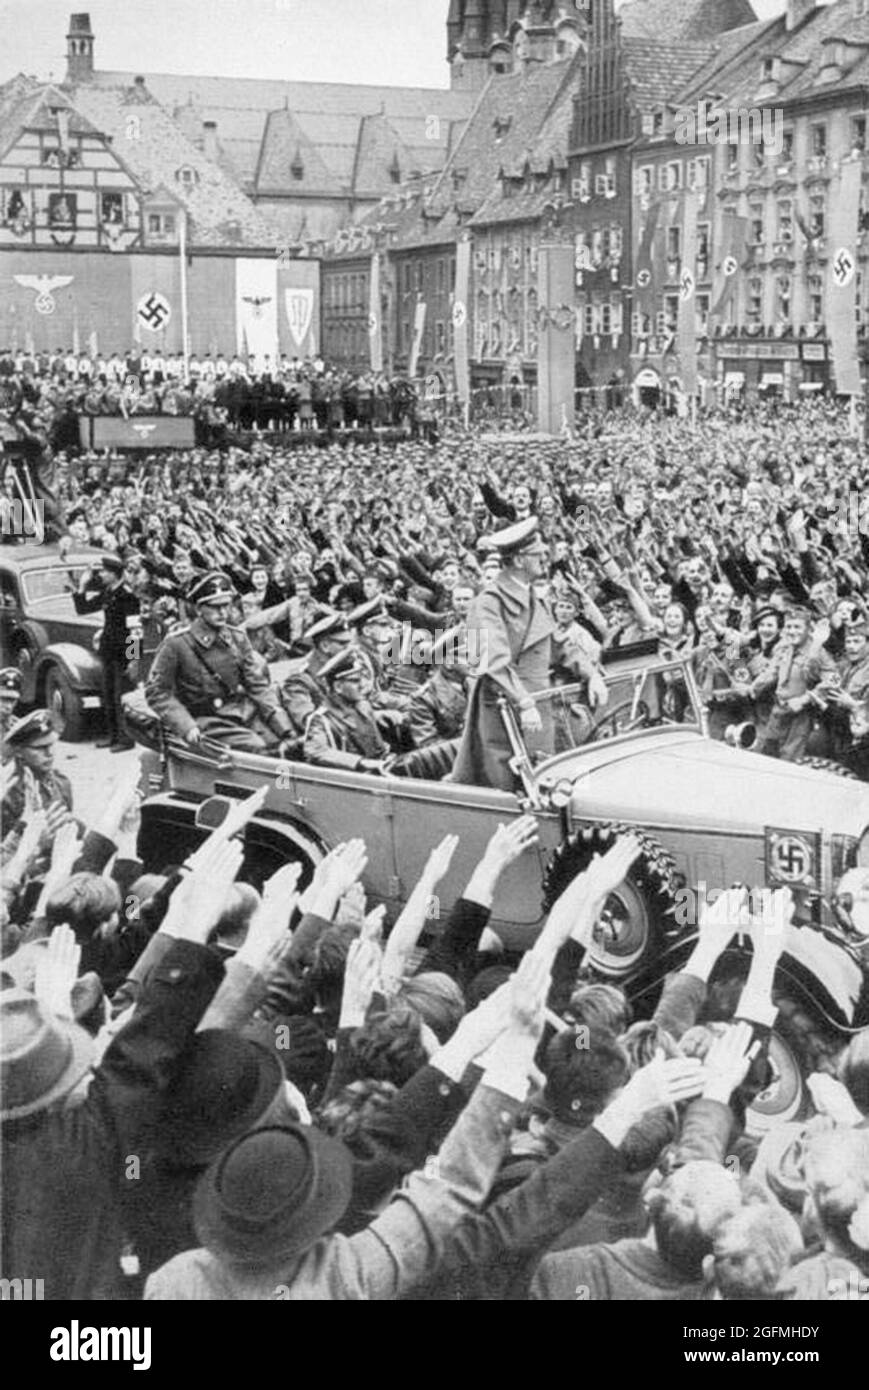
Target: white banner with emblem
{"x": 256, "y": 307}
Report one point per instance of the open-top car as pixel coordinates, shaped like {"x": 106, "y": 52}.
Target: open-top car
{"x": 41, "y": 633}
{"x": 710, "y": 815}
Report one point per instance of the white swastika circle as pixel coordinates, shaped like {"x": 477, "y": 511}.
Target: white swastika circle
{"x": 153, "y": 311}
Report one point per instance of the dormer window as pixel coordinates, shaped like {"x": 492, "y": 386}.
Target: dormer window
{"x": 501, "y": 125}
{"x": 657, "y": 122}
{"x": 161, "y": 224}
{"x": 768, "y": 69}
{"x": 297, "y": 168}
{"x": 186, "y": 176}
{"x": 395, "y": 170}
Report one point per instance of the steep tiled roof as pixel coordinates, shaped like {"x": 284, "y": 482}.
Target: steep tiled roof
{"x": 153, "y": 148}
{"x": 658, "y": 70}
{"x": 664, "y": 20}
{"x": 329, "y": 113}
{"x": 804, "y": 47}
{"x": 503, "y": 131}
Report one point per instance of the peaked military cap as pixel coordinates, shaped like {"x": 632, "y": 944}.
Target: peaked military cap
{"x": 347, "y": 663}
{"x": 523, "y": 535}
{"x": 333, "y": 625}
{"x": 208, "y": 587}
{"x": 10, "y": 680}
{"x": 35, "y": 730}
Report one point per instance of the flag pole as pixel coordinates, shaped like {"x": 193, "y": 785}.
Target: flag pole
{"x": 185, "y": 335}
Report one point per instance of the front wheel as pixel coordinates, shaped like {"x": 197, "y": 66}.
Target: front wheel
{"x": 798, "y": 1046}
{"x": 65, "y": 706}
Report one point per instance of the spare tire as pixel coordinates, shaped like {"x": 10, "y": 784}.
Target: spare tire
{"x": 629, "y": 938}
{"x": 828, "y": 765}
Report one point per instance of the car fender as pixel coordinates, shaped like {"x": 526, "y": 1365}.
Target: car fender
{"x": 29, "y": 653}
{"x": 82, "y": 668}
{"x": 268, "y": 827}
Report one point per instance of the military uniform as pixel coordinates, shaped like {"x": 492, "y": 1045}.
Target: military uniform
{"x": 517, "y": 639}
{"x": 215, "y": 680}
{"x": 791, "y": 674}
{"x": 851, "y": 727}
{"x": 120, "y": 609}
{"x": 437, "y": 710}
{"x": 339, "y": 735}
{"x": 35, "y": 730}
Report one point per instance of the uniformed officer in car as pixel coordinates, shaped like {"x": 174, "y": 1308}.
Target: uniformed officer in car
{"x": 303, "y": 691}
{"x": 343, "y": 731}
{"x": 29, "y": 743}
{"x": 207, "y": 680}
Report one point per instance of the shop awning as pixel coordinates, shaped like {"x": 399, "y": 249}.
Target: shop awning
{"x": 811, "y": 386}
{"x": 772, "y": 379}
{"x": 736, "y": 379}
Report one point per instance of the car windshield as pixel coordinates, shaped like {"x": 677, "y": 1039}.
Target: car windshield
{"x": 51, "y": 585}
{"x": 662, "y": 692}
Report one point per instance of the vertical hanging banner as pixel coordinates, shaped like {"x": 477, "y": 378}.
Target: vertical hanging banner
{"x": 460, "y": 320}
{"x": 688, "y": 295}
{"x": 375, "y": 326}
{"x": 842, "y": 276}
{"x": 298, "y": 306}
{"x": 556, "y": 343}
{"x": 646, "y": 288}
{"x": 734, "y": 245}
{"x": 155, "y": 296}
{"x": 418, "y": 330}
{"x": 256, "y": 306}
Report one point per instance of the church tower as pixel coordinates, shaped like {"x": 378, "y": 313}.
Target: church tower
{"x": 79, "y": 49}
{"x": 492, "y": 36}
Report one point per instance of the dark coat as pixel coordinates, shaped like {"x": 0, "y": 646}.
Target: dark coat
{"x": 516, "y": 635}
{"x": 117, "y": 605}
{"x": 198, "y": 674}
{"x": 64, "y": 1170}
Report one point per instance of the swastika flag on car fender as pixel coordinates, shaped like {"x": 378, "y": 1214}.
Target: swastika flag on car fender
{"x": 842, "y": 276}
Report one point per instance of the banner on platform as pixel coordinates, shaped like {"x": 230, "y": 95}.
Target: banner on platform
{"x": 256, "y": 308}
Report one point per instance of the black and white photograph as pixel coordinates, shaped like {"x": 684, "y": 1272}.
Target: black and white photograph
{"x": 434, "y": 665}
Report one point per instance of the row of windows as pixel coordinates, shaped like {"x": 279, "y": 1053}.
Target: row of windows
{"x": 411, "y": 275}
{"x": 673, "y": 176}
{"x": 346, "y": 292}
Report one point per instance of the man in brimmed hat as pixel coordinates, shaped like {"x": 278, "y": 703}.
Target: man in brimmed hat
{"x": 516, "y": 631}
{"x": 265, "y": 1210}
{"x": 118, "y": 640}
{"x": 64, "y": 1166}
{"x": 207, "y": 679}
{"x": 849, "y": 722}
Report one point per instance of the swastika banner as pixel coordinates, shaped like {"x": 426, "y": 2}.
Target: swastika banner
{"x": 842, "y": 276}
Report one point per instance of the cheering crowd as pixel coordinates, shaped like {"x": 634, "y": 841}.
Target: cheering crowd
{"x": 211, "y": 1092}
{"x": 739, "y": 543}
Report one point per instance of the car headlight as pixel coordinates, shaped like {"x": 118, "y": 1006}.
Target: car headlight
{"x": 863, "y": 850}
